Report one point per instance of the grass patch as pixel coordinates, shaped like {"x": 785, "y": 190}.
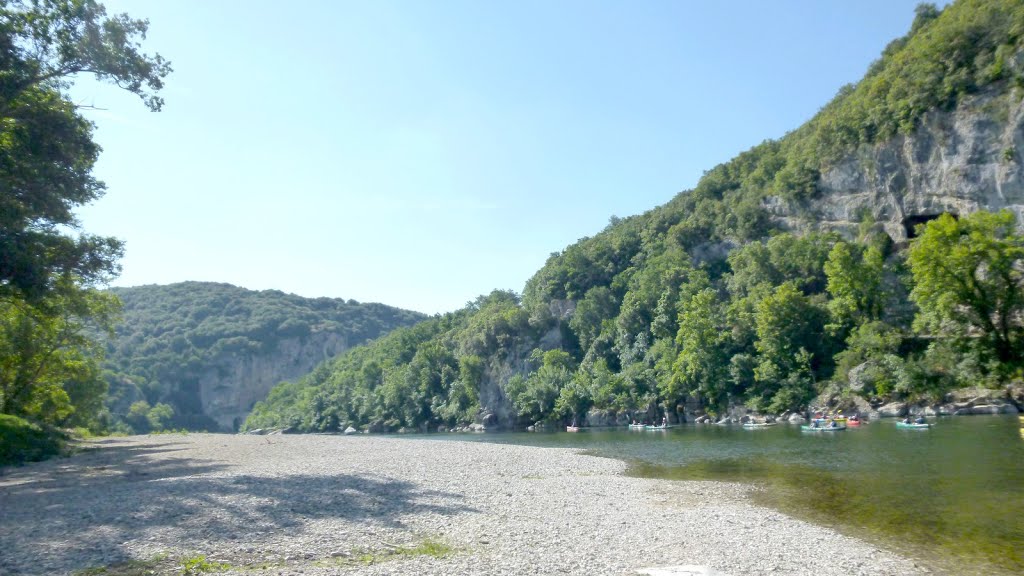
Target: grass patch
{"x": 432, "y": 548}
{"x": 428, "y": 547}
{"x": 196, "y": 565}
{"x": 159, "y": 564}
{"x": 23, "y": 441}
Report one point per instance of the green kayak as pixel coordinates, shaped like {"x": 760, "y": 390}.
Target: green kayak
{"x": 913, "y": 425}
{"x": 807, "y": 428}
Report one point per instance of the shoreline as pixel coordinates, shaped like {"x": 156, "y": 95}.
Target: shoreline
{"x": 321, "y": 505}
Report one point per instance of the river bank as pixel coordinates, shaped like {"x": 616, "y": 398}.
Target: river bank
{"x": 385, "y": 505}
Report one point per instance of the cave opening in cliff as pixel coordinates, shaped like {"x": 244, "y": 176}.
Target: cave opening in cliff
{"x": 910, "y": 223}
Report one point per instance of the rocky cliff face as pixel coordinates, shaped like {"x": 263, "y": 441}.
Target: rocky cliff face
{"x": 233, "y": 382}
{"x": 958, "y": 161}
{"x": 212, "y": 350}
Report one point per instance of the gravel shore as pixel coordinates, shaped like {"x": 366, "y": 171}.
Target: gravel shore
{"x": 319, "y": 505}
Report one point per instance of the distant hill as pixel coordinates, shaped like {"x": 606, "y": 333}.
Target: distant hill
{"x": 783, "y": 275}
{"x": 210, "y": 351}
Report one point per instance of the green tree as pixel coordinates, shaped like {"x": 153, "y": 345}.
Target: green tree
{"x": 137, "y": 416}
{"x": 49, "y": 365}
{"x": 575, "y": 398}
{"x": 46, "y": 352}
{"x": 855, "y": 284}
{"x": 790, "y": 341}
{"x": 46, "y": 152}
{"x": 534, "y": 397}
{"x": 703, "y": 363}
{"x": 159, "y": 417}
{"x": 968, "y": 279}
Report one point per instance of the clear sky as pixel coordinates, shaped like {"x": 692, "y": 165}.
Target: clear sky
{"x": 421, "y": 153}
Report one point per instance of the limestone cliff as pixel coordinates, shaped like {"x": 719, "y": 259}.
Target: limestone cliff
{"x": 231, "y": 383}
{"x": 957, "y": 161}
{"x": 212, "y": 351}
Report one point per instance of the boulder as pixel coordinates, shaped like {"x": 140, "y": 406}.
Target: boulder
{"x": 350, "y": 430}
{"x": 972, "y": 394}
{"x": 980, "y": 401}
{"x": 257, "y": 432}
{"x": 859, "y": 377}
{"x": 994, "y": 408}
{"x": 1015, "y": 393}
{"x": 488, "y": 419}
{"x": 893, "y": 410}
{"x": 797, "y": 419}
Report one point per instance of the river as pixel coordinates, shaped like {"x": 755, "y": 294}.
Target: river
{"x": 951, "y": 496}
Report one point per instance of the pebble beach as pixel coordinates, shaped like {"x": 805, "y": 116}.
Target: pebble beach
{"x": 375, "y": 505}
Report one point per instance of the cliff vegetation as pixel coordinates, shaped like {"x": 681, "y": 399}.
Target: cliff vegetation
{"x": 732, "y": 294}
{"x": 188, "y": 355}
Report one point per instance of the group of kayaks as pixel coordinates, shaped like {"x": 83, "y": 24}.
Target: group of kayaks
{"x": 631, "y": 427}
{"x": 650, "y": 426}
{"x": 830, "y": 423}
{"x": 820, "y": 423}
{"x": 837, "y": 423}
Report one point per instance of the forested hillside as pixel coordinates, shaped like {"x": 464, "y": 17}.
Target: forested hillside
{"x": 783, "y": 274}
{"x": 198, "y": 355}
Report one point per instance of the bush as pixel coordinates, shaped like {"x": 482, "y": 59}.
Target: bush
{"x": 22, "y": 441}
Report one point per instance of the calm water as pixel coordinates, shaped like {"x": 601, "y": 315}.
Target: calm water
{"x": 952, "y": 496}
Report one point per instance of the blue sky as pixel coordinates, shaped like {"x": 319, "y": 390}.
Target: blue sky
{"x": 422, "y": 153}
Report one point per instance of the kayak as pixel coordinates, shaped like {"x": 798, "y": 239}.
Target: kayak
{"x": 839, "y": 420}
{"x": 913, "y": 425}
{"x": 807, "y": 428}
{"x": 637, "y": 426}
{"x": 758, "y": 424}
{"x": 572, "y": 428}
{"x": 836, "y": 419}
{"x": 853, "y": 423}
{"x": 658, "y": 427}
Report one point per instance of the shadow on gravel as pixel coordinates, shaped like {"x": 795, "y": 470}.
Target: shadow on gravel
{"x": 110, "y": 464}
{"x": 83, "y": 512}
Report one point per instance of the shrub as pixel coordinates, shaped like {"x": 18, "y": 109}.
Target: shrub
{"x": 22, "y": 441}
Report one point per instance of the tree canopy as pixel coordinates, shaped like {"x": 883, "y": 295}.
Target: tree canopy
{"x": 46, "y": 147}
{"x": 968, "y": 280}
{"x": 50, "y": 268}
